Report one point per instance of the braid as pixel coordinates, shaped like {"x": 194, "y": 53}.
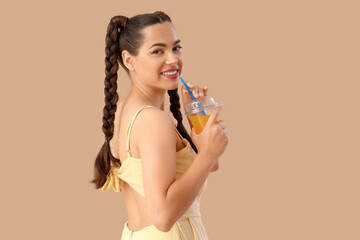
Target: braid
{"x": 175, "y": 109}
{"x": 104, "y": 158}
{"x": 111, "y": 96}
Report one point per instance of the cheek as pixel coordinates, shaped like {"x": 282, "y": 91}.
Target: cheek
{"x": 148, "y": 68}
{"x": 181, "y": 60}
{"x": 151, "y": 71}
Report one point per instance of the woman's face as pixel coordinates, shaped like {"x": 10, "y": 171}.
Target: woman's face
{"x": 159, "y": 60}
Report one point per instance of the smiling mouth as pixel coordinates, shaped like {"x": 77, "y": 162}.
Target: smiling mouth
{"x": 170, "y": 73}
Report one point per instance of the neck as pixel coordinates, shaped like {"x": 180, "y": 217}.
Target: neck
{"x": 148, "y": 96}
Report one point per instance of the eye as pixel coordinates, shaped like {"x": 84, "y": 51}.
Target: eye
{"x": 157, "y": 52}
{"x": 177, "y": 48}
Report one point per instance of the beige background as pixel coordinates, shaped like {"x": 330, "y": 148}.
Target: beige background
{"x": 286, "y": 71}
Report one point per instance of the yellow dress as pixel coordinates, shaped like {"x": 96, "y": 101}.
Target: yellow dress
{"x": 189, "y": 226}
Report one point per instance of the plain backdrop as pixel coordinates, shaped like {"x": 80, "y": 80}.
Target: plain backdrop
{"x": 286, "y": 71}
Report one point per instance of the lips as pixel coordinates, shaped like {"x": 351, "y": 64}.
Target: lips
{"x": 172, "y": 73}
{"x": 171, "y": 70}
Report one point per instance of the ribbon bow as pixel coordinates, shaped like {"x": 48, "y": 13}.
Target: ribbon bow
{"x": 113, "y": 180}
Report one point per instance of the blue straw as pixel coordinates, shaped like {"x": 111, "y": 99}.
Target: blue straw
{"x": 187, "y": 87}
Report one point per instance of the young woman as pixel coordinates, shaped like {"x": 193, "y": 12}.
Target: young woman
{"x": 160, "y": 169}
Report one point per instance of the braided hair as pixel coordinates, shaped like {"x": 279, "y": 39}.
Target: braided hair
{"x": 125, "y": 34}
{"x": 175, "y": 109}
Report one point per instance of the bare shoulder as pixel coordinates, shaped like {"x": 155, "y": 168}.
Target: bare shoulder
{"x": 153, "y": 133}
{"x": 155, "y": 121}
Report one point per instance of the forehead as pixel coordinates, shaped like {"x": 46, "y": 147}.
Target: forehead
{"x": 160, "y": 33}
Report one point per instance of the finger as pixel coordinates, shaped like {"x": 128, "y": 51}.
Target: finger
{"x": 221, "y": 125}
{"x": 195, "y": 91}
{"x": 192, "y": 133}
{"x": 205, "y": 90}
{"x": 201, "y": 93}
{"x": 188, "y": 84}
{"x": 215, "y": 113}
{"x": 184, "y": 90}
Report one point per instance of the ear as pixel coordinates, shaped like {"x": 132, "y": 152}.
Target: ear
{"x": 128, "y": 60}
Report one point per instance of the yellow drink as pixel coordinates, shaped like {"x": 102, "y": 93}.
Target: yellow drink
{"x": 198, "y": 122}
{"x": 199, "y": 111}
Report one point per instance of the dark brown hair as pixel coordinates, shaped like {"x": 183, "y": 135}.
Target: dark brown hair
{"x": 126, "y": 34}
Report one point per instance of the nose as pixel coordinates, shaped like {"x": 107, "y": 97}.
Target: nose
{"x": 171, "y": 58}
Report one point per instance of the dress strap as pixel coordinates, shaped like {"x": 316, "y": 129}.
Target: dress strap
{"x": 179, "y": 134}
{"x": 130, "y": 126}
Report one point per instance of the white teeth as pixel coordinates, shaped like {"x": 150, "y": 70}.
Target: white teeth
{"x": 170, "y": 73}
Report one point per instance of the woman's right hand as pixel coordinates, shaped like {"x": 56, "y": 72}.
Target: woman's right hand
{"x": 213, "y": 139}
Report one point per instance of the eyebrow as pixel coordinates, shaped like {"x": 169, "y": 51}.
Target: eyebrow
{"x": 163, "y": 44}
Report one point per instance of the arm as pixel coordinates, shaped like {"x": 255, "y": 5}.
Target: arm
{"x": 167, "y": 199}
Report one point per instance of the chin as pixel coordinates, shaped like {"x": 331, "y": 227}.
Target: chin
{"x": 173, "y": 85}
